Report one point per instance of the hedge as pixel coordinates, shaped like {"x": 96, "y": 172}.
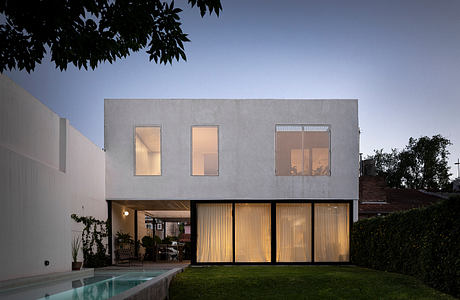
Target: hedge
{"x": 422, "y": 242}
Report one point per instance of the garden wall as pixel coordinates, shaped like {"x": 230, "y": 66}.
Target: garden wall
{"x": 48, "y": 171}
{"x": 424, "y": 243}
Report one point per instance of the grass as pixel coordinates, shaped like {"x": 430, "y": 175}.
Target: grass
{"x": 297, "y": 282}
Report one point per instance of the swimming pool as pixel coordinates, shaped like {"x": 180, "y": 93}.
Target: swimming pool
{"x": 102, "y": 285}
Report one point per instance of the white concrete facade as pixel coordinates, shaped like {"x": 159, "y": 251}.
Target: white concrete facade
{"x": 246, "y": 149}
{"x": 48, "y": 170}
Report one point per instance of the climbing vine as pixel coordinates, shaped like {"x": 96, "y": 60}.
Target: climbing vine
{"x": 92, "y": 237}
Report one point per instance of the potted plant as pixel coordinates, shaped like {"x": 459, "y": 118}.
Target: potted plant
{"x": 123, "y": 240}
{"x": 76, "y": 242}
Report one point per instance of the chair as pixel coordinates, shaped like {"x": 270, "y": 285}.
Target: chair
{"x": 126, "y": 254}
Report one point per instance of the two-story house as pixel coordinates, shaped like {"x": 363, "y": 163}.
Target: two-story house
{"x": 265, "y": 181}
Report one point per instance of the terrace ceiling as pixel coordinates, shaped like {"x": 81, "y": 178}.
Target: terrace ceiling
{"x": 154, "y": 204}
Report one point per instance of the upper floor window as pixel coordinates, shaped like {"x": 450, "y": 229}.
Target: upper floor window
{"x": 205, "y": 150}
{"x": 148, "y": 150}
{"x": 302, "y": 150}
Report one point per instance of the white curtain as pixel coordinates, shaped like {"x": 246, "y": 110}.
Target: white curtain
{"x": 214, "y": 232}
{"x": 331, "y": 232}
{"x": 293, "y": 232}
{"x": 252, "y": 232}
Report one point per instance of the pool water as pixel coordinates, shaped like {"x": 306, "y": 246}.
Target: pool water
{"x": 103, "y": 285}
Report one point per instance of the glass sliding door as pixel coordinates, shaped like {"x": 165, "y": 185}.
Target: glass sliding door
{"x": 332, "y": 232}
{"x": 293, "y": 232}
{"x": 214, "y": 232}
{"x": 252, "y": 232}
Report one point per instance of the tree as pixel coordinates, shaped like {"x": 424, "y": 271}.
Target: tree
{"x": 422, "y": 164}
{"x": 89, "y": 32}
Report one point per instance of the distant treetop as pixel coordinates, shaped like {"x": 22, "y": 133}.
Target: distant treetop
{"x": 422, "y": 164}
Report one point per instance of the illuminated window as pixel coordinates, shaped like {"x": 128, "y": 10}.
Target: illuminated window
{"x": 205, "y": 150}
{"x": 293, "y": 232}
{"x": 148, "y": 150}
{"x": 332, "y": 232}
{"x": 214, "y": 232}
{"x": 252, "y": 232}
{"x": 302, "y": 150}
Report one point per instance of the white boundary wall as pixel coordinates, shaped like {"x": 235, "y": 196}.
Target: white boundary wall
{"x": 48, "y": 170}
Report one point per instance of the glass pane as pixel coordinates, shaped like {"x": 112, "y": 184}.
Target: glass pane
{"x": 148, "y": 151}
{"x": 293, "y": 232}
{"x": 205, "y": 158}
{"x": 332, "y": 232}
{"x": 316, "y": 151}
{"x": 252, "y": 232}
{"x": 302, "y": 150}
{"x": 214, "y": 233}
{"x": 288, "y": 151}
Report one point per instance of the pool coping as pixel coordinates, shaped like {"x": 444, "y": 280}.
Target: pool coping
{"x": 11, "y": 284}
{"x": 156, "y": 288}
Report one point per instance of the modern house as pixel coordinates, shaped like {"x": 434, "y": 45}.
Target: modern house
{"x": 261, "y": 181}
{"x": 265, "y": 181}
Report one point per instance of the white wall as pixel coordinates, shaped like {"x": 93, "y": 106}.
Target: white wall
{"x": 48, "y": 170}
{"x": 246, "y": 149}
{"x": 122, "y": 223}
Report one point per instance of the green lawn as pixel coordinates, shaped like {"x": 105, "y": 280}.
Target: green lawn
{"x": 297, "y": 282}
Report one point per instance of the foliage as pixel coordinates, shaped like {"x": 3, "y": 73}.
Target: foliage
{"x": 148, "y": 243}
{"x": 92, "y": 236}
{"x": 422, "y": 242}
{"x": 87, "y": 33}
{"x": 422, "y": 164}
{"x": 187, "y": 251}
{"x": 76, "y": 243}
{"x": 297, "y": 282}
{"x": 123, "y": 238}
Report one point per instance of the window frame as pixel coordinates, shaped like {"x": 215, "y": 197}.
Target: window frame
{"x": 302, "y": 125}
{"x": 161, "y": 148}
{"x": 191, "y": 149}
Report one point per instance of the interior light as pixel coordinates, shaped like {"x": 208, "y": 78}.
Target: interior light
{"x": 126, "y": 213}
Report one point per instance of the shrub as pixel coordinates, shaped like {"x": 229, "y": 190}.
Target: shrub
{"x": 422, "y": 242}
{"x": 92, "y": 237}
{"x": 148, "y": 243}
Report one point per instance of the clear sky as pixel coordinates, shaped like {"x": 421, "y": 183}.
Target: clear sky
{"x": 401, "y": 59}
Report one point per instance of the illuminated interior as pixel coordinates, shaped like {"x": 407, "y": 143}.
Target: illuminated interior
{"x": 293, "y": 232}
{"x": 148, "y": 151}
{"x": 253, "y": 224}
{"x": 214, "y": 232}
{"x": 332, "y": 232}
{"x": 302, "y": 150}
{"x": 205, "y": 157}
{"x": 252, "y": 232}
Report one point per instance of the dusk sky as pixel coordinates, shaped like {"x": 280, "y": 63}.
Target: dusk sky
{"x": 401, "y": 59}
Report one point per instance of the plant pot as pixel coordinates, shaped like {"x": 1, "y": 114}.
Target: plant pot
{"x": 76, "y": 266}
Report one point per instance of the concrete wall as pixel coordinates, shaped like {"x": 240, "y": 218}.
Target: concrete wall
{"x": 48, "y": 170}
{"x": 246, "y": 149}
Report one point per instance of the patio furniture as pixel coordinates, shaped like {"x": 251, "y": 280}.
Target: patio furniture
{"x": 126, "y": 255}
